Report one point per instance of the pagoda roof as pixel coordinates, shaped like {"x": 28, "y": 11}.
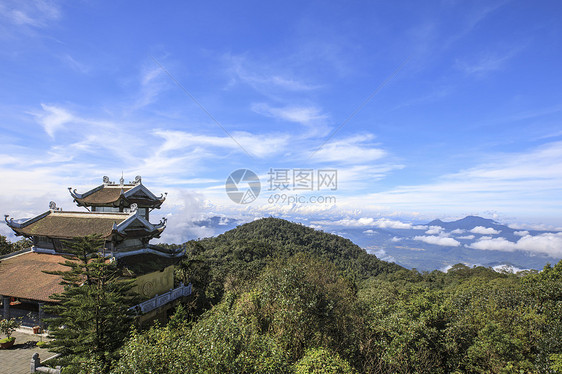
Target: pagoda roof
{"x": 68, "y": 225}
{"x": 112, "y": 194}
{"x": 22, "y": 276}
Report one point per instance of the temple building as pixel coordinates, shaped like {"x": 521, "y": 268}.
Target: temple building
{"x": 117, "y": 212}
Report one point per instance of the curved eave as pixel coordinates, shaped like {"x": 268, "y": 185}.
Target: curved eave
{"x": 19, "y": 227}
{"x": 78, "y": 196}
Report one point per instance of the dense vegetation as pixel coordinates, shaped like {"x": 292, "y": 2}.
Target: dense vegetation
{"x": 238, "y": 256}
{"x": 277, "y": 297}
{"x": 7, "y": 247}
{"x": 288, "y": 299}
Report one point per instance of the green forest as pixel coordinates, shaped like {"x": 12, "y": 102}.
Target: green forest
{"x": 273, "y": 296}
{"x": 278, "y": 297}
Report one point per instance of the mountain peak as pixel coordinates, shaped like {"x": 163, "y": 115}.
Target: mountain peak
{"x": 467, "y": 223}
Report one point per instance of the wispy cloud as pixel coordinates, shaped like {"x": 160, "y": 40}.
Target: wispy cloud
{"x": 306, "y": 115}
{"x": 490, "y": 186}
{"x": 37, "y": 13}
{"x": 53, "y": 118}
{"x": 152, "y": 83}
{"x": 260, "y": 145}
{"x": 358, "y": 149}
{"x": 265, "y": 76}
{"x": 486, "y": 62}
{"x": 74, "y": 64}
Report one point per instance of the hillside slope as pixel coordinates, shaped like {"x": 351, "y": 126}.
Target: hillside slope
{"x": 238, "y": 256}
{"x": 274, "y": 237}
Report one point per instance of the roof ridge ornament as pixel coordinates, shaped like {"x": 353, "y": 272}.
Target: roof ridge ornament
{"x": 74, "y": 194}
{"x": 52, "y": 205}
{"x": 134, "y": 208}
{"x": 162, "y": 222}
{"x": 11, "y": 222}
{"x": 105, "y": 179}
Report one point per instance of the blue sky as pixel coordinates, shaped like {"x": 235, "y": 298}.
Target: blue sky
{"x": 466, "y": 116}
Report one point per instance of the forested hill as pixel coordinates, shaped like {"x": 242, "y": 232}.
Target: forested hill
{"x": 277, "y": 297}
{"x": 269, "y": 238}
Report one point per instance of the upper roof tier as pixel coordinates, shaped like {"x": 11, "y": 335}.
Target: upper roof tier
{"x": 111, "y": 194}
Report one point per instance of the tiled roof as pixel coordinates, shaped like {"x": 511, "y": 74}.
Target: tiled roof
{"x": 112, "y": 194}
{"x": 58, "y": 224}
{"x": 22, "y": 276}
{"x": 104, "y": 195}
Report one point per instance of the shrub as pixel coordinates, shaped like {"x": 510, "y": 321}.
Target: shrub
{"x": 322, "y": 361}
{"x": 8, "y": 326}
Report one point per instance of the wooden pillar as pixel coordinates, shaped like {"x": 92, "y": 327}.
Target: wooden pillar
{"x": 40, "y": 315}
{"x": 6, "y": 302}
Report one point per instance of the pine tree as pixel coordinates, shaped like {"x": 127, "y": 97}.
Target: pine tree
{"x": 5, "y": 246}
{"x": 92, "y": 315}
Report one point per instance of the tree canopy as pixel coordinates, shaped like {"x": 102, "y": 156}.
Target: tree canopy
{"x": 92, "y": 317}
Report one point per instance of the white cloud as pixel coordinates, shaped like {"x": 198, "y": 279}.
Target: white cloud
{"x": 494, "y": 244}
{"x": 53, "y": 118}
{"x": 507, "y": 269}
{"x": 434, "y": 230}
{"x": 458, "y": 231}
{"x": 467, "y": 237}
{"x": 521, "y": 233}
{"x": 484, "y": 230}
{"x": 382, "y": 223}
{"x": 438, "y": 240}
{"x": 395, "y": 239}
{"x": 548, "y": 243}
{"x": 534, "y": 226}
{"x": 382, "y": 255}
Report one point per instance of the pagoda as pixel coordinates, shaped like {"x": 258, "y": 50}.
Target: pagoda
{"x": 117, "y": 212}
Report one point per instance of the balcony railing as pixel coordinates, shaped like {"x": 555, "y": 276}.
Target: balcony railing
{"x": 160, "y": 300}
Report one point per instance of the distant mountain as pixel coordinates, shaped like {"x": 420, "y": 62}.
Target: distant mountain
{"x": 426, "y": 247}
{"x": 467, "y": 223}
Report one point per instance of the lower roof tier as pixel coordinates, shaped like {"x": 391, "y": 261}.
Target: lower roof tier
{"x": 67, "y": 225}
